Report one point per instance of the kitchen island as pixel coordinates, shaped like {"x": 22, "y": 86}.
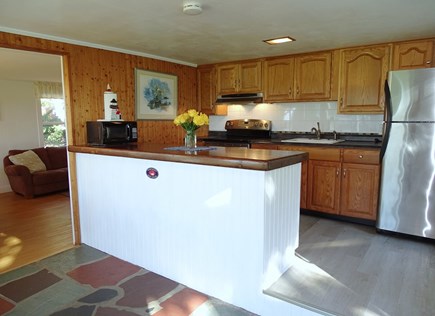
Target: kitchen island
{"x": 223, "y": 221}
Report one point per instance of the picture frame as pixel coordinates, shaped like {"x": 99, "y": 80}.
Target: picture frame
{"x": 156, "y": 95}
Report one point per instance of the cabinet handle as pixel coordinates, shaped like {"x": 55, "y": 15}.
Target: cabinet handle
{"x": 290, "y": 91}
{"x": 360, "y": 156}
{"x": 428, "y": 62}
{"x": 297, "y": 90}
{"x": 338, "y": 172}
{"x": 344, "y": 173}
{"x": 341, "y": 101}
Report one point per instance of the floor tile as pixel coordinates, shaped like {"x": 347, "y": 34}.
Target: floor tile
{"x": 21, "y": 289}
{"x": 108, "y": 271}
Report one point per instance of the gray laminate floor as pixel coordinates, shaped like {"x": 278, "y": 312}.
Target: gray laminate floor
{"x": 349, "y": 269}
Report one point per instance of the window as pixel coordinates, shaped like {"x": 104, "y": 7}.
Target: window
{"x": 53, "y": 122}
{"x": 51, "y": 109}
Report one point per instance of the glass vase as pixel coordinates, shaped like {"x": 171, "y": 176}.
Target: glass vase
{"x": 190, "y": 139}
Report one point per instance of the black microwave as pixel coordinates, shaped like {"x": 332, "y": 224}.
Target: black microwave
{"x": 101, "y": 133}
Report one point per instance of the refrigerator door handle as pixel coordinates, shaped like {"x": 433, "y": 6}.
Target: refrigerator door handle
{"x": 387, "y": 121}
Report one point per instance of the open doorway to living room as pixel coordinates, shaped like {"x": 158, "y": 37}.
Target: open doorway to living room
{"x": 31, "y": 116}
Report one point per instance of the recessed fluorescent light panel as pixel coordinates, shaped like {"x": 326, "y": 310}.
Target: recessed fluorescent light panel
{"x": 279, "y": 40}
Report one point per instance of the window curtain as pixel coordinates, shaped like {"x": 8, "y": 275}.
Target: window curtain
{"x": 48, "y": 90}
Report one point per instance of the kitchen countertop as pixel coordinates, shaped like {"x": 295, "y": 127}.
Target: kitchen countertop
{"x": 350, "y": 139}
{"x": 232, "y": 157}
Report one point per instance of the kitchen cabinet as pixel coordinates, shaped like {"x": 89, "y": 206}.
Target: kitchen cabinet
{"x": 323, "y": 186}
{"x": 301, "y": 78}
{"x": 360, "y": 183}
{"x": 363, "y": 72}
{"x": 207, "y": 92}
{"x": 242, "y": 77}
{"x": 414, "y": 54}
{"x": 279, "y": 79}
{"x": 313, "y": 77}
{"x": 324, "y": 179}
{"x": 339, "y": 181}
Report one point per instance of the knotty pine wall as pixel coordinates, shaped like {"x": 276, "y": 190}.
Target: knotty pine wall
{"x": 87, "y": 71}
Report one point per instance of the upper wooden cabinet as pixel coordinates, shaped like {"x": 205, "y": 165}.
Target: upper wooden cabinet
{"x": 304, "y": 77}
{"x": 313, "y": 77}
{"x": 415, "y": 54}
{"x": 279, "y": 79}
{"x": 363, "y": 72}
{"x": 238, "y": 78}
{"x": 207, "y": 92}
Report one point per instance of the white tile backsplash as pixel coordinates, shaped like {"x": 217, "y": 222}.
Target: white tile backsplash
{"x": 301, "y": 117}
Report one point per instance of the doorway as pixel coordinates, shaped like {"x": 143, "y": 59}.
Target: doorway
{"x": 21, "y": 128}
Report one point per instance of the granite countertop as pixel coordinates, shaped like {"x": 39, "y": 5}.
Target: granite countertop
{"x": 232, "y": 157}
{"x": 368, "y": 140}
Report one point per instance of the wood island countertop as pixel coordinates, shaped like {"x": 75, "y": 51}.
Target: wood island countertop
{"x": 231, "y": 157}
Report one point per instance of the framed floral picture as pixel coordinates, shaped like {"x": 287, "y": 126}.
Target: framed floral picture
{"x": 156, "y": 95}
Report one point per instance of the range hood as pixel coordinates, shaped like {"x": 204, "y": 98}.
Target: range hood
{"x": 240, "y": 98}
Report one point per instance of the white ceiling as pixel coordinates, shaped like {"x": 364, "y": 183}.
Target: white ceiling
{"x": 224, "y": 31}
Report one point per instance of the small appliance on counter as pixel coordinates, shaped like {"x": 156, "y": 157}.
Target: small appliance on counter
{"x": 101, "y": 133}
{"x": 241, "y": 133}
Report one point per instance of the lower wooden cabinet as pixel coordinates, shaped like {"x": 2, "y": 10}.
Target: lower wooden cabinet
{"x": 339, "y": 181}
{"x": 359, "y": 190}
{"x": 324, "y": 186}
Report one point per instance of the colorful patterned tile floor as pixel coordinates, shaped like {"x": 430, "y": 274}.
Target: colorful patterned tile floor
{"x": 86, "y": 282}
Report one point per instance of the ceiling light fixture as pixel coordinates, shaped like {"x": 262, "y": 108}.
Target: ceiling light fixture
{"x": 279, "y": 40}
{"x": 192, "y": 7}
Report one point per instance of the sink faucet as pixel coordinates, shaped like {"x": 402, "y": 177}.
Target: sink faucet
{"x": 316, "y": 130}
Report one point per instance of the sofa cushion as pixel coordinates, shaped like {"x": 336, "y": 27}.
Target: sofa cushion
{"x": 50, "y": 176}
{"x": 57, "y": 157}
{"x": 29, "y": 159}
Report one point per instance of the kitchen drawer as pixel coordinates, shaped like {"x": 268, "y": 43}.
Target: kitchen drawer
{"x": 316, "y": 153}
{"x": 361, "y": 156}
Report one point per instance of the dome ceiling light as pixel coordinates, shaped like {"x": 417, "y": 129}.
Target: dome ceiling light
{"x": 192, "y": 7}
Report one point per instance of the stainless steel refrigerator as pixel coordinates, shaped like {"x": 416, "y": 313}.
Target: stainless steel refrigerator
{"x": 407, "y": 192}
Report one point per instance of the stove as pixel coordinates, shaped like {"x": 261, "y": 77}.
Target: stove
{"x": 241, "y": 133}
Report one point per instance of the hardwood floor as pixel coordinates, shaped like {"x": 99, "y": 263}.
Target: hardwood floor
{"x": 349, "y": 269}
{"x": 33, "y": 229}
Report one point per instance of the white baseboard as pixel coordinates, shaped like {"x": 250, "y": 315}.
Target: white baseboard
{"x": 5, "y": 188}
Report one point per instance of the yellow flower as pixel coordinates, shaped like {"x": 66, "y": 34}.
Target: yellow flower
{"x": 191, "y": 120}
{"x": 192, "y": 112}
{"x": 201, "y": 119}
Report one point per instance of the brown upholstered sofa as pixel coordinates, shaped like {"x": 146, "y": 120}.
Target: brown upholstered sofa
{"x": 28, "y": 184}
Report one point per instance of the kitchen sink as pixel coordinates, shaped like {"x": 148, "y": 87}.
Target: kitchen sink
{"x": 312, "y": 140}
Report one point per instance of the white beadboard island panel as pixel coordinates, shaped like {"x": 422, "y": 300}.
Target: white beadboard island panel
{"x": 226, "y": 232}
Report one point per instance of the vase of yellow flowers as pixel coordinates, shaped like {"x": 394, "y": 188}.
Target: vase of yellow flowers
{"x": 190, "y": 121}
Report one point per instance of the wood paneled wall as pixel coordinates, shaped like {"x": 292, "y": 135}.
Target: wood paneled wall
{"x": 87, "y": 71}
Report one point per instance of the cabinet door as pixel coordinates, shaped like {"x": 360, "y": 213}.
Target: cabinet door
{"x": 249, "y": 79}
{"x": 206, "y": 95}
{"x": 207, "y": 92}
{"x": 362, "y": 77}
{"x": 323, "y": 186}
{"x": 227, "y": 76}
{"x": 411, "y": 55}
{"x": 278, "y": 79}
{"x": 359, "y": 192}
{"x": 313, "y": 77}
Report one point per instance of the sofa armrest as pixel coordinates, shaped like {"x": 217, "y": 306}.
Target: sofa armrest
{"x": 20, "y": 180}
{"x": 18, "y": 170}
